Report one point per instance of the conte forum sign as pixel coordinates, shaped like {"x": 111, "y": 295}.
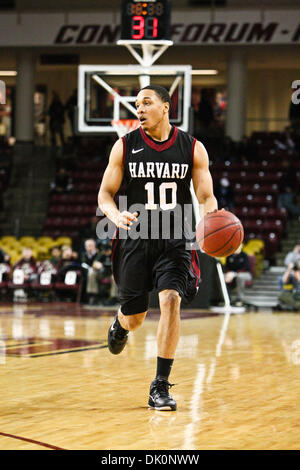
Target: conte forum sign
{"x": 226, "y": 27}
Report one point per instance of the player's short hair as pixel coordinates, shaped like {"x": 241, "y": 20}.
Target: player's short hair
{"x": 161, "y": 92}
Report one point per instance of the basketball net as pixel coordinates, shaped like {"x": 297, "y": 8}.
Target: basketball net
{"x": 123, "y": 126}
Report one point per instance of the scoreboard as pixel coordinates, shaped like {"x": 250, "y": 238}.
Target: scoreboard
{"x": 144, "y": 21}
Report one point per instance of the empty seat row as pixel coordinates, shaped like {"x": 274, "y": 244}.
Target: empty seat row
{"x": 261, "y": 165}
{"x": 257, "y": 212}
{"x": 267, "y": 200}
{"x": 263, "y": 177}
{"x": 73, "y": 198}
{"x": 255, "y": 188}
{"x": 66, "y": 222}
{"x": 263, "y": 226}
{"x": 72, "y": 209}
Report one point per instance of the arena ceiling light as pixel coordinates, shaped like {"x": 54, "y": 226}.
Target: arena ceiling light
{"x": 8, "y": 73}
{"x": 204, "y": 72}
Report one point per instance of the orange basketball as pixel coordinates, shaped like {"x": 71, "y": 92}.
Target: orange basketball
{"x": 220, "y": 233}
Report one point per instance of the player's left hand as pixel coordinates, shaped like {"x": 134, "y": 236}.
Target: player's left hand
{"x": 126, "y": 219}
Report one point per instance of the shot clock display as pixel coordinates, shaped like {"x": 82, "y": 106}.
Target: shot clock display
{"x": 148, "y": 20}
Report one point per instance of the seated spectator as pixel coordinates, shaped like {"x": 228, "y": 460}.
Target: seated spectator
{"x": 290, "y": 300}
{"x": 224, "y": 194}
{"x": 93, "y": 268}
{"x": 47, "y": 266}
{"x": 294, "y": 117}
{"x": 293, "y": 256}
{"x": 27, "y": 264}
{"x": 5, "y": 270}
{"x": 109, "y": 288}
{"x": 67, "y": 263}
{"x": 247, "y": 149}
{"x": 4, "y": 257}
{"x": 286, "y": 142}
{"x": 46, "y": 273}
{"x": 55, "y": 256}
{"x": 237, "y": 270}
{"x": 63, "y": 182}
{"x": 229, "y": 150}
{"x": 287, "y": 189}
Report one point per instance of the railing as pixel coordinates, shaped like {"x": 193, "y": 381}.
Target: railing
{"x": 266, "y": 124}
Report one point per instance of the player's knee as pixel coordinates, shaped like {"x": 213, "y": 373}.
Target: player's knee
{"x": 134, "y": 321}
{"x": 169, "y": 299}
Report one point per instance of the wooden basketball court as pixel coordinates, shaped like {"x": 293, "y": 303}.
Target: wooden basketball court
{"x": 237, "y": 382}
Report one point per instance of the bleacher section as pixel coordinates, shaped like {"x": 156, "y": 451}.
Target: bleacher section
{"x": 255, "y": 185}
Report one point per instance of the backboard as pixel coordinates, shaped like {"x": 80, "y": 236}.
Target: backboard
{"x": 108, "y": 92}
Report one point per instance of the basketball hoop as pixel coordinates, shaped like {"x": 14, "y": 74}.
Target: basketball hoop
{"x": 123, "y": 126}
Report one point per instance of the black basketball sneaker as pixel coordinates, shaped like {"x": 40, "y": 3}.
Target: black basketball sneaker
{"x": 117, "y": 337}
{"x": 159, "y": 397}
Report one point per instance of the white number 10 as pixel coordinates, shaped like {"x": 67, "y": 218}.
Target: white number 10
{"x": 162, "y": 196}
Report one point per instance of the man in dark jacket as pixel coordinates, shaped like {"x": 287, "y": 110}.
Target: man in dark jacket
{"x": 90, "y": 261}
{"x": 237, "y": 268}
{"x": 57, "y": 119}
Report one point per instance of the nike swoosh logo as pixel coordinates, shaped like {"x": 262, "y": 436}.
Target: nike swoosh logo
{"x": 136, "y": 151}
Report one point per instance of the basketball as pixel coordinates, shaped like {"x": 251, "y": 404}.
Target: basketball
{"x": 220, "y": 233}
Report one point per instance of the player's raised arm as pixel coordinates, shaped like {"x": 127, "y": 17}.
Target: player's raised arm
{"x": 111, "y": 182}
{"x": 202, "y": 180}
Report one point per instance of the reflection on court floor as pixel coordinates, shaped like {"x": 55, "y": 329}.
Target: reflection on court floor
{"x": 237, "y": 380}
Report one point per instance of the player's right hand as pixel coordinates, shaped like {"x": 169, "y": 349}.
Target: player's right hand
{"x": 126, "y": 219}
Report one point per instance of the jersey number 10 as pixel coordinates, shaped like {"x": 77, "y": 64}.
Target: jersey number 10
{"x": 163, "y": 204}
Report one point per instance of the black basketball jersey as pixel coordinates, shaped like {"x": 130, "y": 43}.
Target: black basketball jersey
{"x": 157, "y": 175}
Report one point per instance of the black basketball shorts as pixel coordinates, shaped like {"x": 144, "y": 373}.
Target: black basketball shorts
{"x": 141, "y": 265}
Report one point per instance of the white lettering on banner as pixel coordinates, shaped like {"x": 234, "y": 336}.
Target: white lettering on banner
{"x": 295, "y": 95}
{"x": 84, "y": 29}
{"x": 195, "y": 33}
{"x": 2, "y": 92}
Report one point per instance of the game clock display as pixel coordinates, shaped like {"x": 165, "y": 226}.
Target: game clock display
{"x": 144, "y": 21}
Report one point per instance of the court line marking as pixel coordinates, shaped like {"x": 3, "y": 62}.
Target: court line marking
{"x": 43, "y": 444}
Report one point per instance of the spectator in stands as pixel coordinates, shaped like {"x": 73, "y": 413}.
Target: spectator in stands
{"x": 4, "y": 257}
{"x": 294, "y": 116}
{"x": 287, "y": 189}
{"x": 5, "y": 267}
{"x": 205, "y": 114}
{"x": 291, "y": 299}
{"x": 28, "y": 265}
{"x": 293, "y": 256}
{"x": 229, "y": 150}
{"x": 237, "y": 271}
{"x": 247, "y": 149}
{"x": 55, "y": 256}
{"x": 93, "y": 268}
{"x": 57, "y": 118}
{"x": 67, "y": 263}
{"x": 47, "y": 266}
{"x": 286, "y": 142}
{"x": 70, "y": 108}
{"x": 109, "y": 288}
{"x": 224, "y": 194}
{"x": 63, "y": 182}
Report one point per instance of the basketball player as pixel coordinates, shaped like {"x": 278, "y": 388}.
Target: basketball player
{"x": 154, "y": 160}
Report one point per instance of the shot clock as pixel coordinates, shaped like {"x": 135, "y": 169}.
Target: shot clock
{"x": 146, "y": 21}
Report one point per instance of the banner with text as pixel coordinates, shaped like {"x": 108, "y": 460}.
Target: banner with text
{"x": 193, "y": 27}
